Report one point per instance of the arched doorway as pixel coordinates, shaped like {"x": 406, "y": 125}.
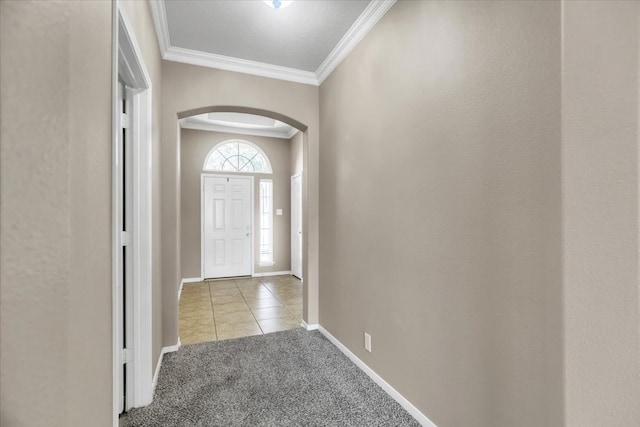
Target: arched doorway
{"x": 189, "y": 90}
{"x": 200, "y": 162}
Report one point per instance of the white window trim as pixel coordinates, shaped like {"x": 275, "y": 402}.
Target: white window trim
{"x": 262, "y": 263}
{"x": 242, "y": 141}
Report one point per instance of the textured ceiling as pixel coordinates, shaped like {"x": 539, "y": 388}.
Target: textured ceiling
{"x": 300, "y": 36}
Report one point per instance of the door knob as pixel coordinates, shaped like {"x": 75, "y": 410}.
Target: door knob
{"x": 247, "y": 234}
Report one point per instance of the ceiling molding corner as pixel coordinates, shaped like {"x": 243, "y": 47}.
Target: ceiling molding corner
{"x": 292, "y": 132}
{"x": 159, "y": 16}
{"x": 360, "y": 28}
{"x": 365, "y": 22}
{"x": 228, "y": 63}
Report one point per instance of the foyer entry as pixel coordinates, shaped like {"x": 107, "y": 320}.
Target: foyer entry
{"x": 215, "y": 310}
{"x": 226, "y": 226}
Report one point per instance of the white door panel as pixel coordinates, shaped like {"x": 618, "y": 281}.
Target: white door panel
{"x": 226, "y": 226}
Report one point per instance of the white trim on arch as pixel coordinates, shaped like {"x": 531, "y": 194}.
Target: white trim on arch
{"x": 240, "y": 141}
{"x": 128, "y": 63}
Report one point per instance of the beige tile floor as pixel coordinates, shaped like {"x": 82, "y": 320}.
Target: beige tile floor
{"x": 222, "y": 309}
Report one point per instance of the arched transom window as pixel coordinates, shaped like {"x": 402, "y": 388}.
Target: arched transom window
{"x": 237, "y": 156}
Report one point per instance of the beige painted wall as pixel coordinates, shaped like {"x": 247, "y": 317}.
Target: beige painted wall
{"x": 600, "y": 213}
{"x": 139, "y": 17}
{"x": 194, "y": 149}
{"x": 462, "y": 238}
{"x": 187, "y": 87}
{"x": 55, "y": 204}
{"x": 296, "y": 154}
{"x": 440, "y": 209}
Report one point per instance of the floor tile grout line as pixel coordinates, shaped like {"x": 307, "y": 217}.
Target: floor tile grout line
{"x": 238, "y": 288}
{"x": 279, "y": 300}
{"x": 284, "y": 305}
{"x": 250, "y": 310}
{"x": 181, "y": 302}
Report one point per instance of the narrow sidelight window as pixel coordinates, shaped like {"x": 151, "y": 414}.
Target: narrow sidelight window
{"x": 266, "y": 222}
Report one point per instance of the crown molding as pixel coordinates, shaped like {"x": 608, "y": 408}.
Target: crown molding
{"x": 159, "y": 17}
{"x": 191, "y": 123}
{"x": 360, "y": 28}
{"x": 204, "y": 59}
{"x": 292, "y": 132}
{"x": 365, "y": 22}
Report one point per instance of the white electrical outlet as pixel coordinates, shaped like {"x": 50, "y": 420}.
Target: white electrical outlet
{"x": 367, "y": 342}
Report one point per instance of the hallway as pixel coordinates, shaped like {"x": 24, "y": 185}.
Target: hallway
{"x": 470, "y": 208}
{"x": 216, "y": 310}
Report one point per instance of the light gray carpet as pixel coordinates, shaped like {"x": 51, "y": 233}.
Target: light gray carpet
{"x": 290, "y": 378}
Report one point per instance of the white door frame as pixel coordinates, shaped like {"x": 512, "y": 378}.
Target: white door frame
{"x": 251, "y": 207}
{"x": 128, "y": 64}
{"x": 298, "y": 175}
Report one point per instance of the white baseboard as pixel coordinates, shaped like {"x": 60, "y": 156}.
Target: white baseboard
{"x": 309, "y": 327}
{"x": 272, "y": 273}
{"x": 155, "y": 375}
{"x": 415, "y": 412}
{"x": 187, "y": 280}
{"x": 172, "y": 348}
{"x": 164, "y": 351}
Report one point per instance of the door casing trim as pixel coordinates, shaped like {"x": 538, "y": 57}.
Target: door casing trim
{"x": 295, "y": 176}
{"x": 127, "y": 60}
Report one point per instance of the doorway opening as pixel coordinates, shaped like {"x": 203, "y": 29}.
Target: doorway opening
{"x": 219, "y": 148}
{"x": 268, "y": 150}
{"x": 131, "y": 226}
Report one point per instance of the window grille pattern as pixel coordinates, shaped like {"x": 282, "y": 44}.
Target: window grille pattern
{"x": 237, "y": 156}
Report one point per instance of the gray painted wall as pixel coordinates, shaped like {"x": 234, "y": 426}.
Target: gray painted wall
{"x": 440, "y": 209}
{"x": 194, "y": 148}
{"x": 55, "y": 205}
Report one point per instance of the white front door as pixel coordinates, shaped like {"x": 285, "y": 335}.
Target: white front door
{"x": 296, "y": 226}
{"x": 226, "y": 225}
